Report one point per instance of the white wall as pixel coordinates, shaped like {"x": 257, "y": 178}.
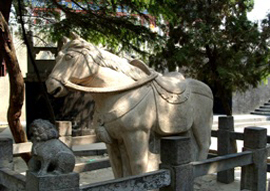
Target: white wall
{"x": 244, "y": 103}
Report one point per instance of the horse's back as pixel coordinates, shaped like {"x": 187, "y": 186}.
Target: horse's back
{"x": 177, "y": 112}
{"x": 200, "y": 88}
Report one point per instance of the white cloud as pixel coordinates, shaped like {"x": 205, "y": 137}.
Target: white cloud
{"x": 261, "y": 8}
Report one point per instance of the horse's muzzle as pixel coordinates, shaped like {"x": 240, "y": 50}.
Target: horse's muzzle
{"x": 55, "y": 88}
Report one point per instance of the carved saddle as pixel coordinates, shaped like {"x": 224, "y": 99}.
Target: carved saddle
{"x": 173, "y": 105}
{"x": 171, "y": 87}
{"x": 172, "y": 98}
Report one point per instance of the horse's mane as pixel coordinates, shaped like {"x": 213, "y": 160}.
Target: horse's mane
{"x": 104, "y": 58}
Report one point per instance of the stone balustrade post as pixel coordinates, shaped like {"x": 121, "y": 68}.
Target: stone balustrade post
{"x": 61, "y": 182}
{"x": 176, "y": 156}
{"x": 225, "y": 145}
{"x": 253, "y": 176}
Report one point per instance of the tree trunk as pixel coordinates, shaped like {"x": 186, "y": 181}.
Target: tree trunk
{"x": 16, "y": 85}
{"x": 225, "y": 100}
{"x": 5, "y": 7}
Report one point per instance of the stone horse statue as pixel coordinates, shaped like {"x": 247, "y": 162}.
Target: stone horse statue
{"x": 134, "y": 105}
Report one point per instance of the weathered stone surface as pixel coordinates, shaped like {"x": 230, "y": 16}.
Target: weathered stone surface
{"x": 134, "y": 105}
{"x": 253, "y": 177}
{"x": 255, "y": 137}
{"x": 6, "y": 153}
{"x": 12, "y": 180}
{"x": 146, "y": 181}
{"x": 221, "y": 163}
{"x": 226, "y": 145}
{"x": 175, "y": 150}
{"x": 181, "y": 177}
{"x": 226, "y": 123}
{"x": 61, "y": 182}
{"x": 176, "y": 156}
{"x": 49, "y": 154}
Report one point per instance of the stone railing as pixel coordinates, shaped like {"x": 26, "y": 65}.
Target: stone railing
{"x": 177, "y": 172}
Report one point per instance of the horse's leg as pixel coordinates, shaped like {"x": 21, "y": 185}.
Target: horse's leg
{"x": 154, "y": 150}
{"x": 201, "y": 129}
{"x": 137, "y": 146}
{"x": 125, "y": 160}
{"x": 115, "y": 159}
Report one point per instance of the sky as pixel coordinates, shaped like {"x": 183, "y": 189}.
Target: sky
{"x": 261, "y": 7}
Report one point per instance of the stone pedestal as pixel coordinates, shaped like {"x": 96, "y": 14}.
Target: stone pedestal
{"x": 176, "y": 156}
{"x": 62, "y": 182}
{"x": 253, "y": 176}
{"x": 226, "y": 145}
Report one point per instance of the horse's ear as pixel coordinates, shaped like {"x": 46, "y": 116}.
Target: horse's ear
{"x": 74, "y": 35}
{"x": 62, "y": 42}
{"x": 65, "y": 40}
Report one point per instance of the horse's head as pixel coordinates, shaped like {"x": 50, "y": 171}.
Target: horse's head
{"x": 84, "y": 67}
{"x": 73, "y": 62}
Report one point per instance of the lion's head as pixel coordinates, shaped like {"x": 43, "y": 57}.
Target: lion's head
{"x": 42, "y": 130}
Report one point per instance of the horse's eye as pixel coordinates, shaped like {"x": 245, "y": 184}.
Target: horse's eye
{"x": 68, "y": 57}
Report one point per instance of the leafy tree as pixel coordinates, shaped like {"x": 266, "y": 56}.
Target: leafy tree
{"x": 213, "y": 41}
{"x": 118, "y": 25}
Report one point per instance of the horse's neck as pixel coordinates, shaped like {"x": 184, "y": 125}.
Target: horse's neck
{"x": 112, "y": 78}
{"x": 109, "y": 78}
{"x": 106, "y": 77}
{"x": 106, "y": 101}
{"x": 110, "y": 106}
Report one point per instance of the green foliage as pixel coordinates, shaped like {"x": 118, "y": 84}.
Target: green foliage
{"x": 111, "y": 23}
{"x": 215, "y": 42}
{"x": 211, "y": 40}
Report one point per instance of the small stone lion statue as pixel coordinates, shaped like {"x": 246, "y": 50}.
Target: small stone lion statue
{"x": 49, "y": 154}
